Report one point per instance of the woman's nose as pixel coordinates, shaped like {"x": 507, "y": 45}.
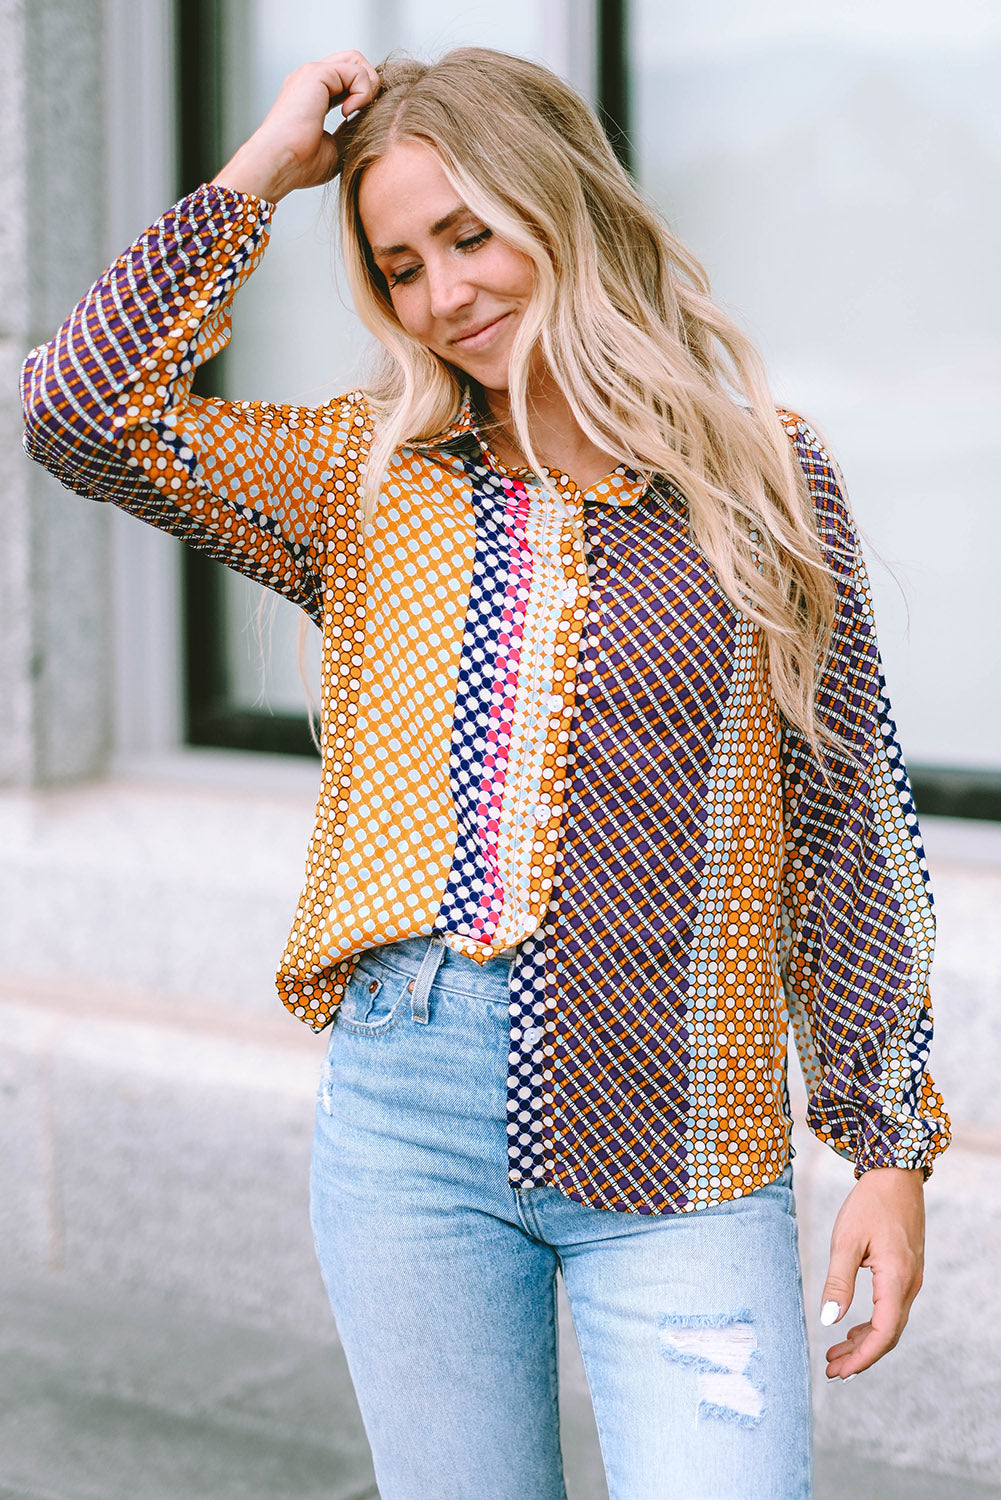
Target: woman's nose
{"x": 449, "y": 290}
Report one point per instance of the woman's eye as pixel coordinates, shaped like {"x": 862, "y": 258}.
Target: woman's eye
{"x": 405, "y": 277}
{"x": 474, "y": 240}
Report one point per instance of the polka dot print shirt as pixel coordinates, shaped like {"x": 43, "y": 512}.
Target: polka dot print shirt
{"x": 544, "y": 726}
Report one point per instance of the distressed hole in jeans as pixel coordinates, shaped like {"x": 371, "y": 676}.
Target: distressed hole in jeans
{"x": 719, "y": 1351}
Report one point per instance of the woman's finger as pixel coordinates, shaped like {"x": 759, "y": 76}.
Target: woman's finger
{"x": 847, "y": 1252}
{"x": 351, "y": 80}
{"x": 863, "y": 1347}
{"x": 850, "y": 1356}
{"x": 363, "y": 91}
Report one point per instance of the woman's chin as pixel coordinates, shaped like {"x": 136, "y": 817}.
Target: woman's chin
{"x": 492, "y": 376}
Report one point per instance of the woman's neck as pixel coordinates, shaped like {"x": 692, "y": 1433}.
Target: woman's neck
{"x": 556, "y": 435}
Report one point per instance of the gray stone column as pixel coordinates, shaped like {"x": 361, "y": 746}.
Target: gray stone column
{"x": 55, "y": 604}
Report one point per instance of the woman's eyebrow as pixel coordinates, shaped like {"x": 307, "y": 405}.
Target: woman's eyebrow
{"x": 438, "y": 227}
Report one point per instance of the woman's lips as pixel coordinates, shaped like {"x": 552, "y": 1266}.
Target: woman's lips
{"x": 480, "y": 337}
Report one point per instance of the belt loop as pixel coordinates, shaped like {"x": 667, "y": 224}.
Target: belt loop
{"x": 420, "y": 987}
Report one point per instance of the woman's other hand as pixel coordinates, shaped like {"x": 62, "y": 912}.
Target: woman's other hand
{"x": 290, "y": 149}
{"x": 881, "y": 1225}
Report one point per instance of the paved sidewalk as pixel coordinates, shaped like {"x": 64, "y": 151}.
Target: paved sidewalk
{"x": 105, "y": 1396}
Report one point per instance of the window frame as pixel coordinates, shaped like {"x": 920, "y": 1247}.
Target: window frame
{"x": 210, "y": 718}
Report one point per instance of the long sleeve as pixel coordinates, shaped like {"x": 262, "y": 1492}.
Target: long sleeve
{"x": 109, "y": 410}
{"x": 857, "y": 911}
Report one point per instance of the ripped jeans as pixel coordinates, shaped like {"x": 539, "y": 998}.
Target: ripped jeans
{"x": 442, "y": 1277}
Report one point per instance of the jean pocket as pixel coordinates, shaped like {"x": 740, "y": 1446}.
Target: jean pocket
{"x": 374, "y": 1000}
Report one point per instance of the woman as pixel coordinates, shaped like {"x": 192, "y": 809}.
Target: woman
{"x": 609, "y": 795}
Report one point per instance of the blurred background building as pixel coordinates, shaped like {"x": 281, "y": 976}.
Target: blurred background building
{"x": 838, "y": 170}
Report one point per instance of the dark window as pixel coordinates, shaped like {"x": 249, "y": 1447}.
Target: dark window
{"x": 220, "y": 711}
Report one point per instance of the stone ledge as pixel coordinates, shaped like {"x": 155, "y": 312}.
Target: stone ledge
{"x": 162, "y": 1156}
{"x": 183, "y": 891}
{"x": 178, "y": 878}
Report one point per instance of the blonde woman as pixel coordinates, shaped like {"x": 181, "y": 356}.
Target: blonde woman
{"x": 610, "y": 796}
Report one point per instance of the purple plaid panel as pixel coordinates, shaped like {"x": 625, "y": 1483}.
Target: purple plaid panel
{"x": 652, "y": 691}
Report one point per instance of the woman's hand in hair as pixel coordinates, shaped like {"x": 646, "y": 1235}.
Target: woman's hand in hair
{"x": 290, "y": 149}
{"x": 881, "y": 1225}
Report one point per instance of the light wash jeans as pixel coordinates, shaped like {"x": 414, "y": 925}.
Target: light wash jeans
{"x": 442, "y": 1277}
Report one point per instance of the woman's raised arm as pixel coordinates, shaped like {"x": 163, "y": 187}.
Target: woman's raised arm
{"x": 107, "y": 402}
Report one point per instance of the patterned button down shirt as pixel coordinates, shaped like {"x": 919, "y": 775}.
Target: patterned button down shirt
{"x": 544, "y": 725}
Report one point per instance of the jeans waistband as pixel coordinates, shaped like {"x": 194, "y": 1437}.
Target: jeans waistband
{"x": 454, "y": 971}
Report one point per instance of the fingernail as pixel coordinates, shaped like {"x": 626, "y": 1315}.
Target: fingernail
{"x": 850, "y": 1377}
{"x": 349, "y": 112}
{"x": 829, "y": 1313}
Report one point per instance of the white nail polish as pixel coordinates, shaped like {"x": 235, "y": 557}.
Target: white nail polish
{"x": 829, "y": 1313}
{"x": 851, "y": 1376}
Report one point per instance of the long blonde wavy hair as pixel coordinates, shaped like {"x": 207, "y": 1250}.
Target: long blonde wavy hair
{"x": 621, "y": 312}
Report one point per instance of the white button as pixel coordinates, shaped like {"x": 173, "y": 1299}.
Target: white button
{"x": 569, "y": 594}
{"x": 554, "y": 703}
{"x": 542, "y": 813}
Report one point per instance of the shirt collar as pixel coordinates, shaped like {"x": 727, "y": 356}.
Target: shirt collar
{"x": 463, "y": 424}
{"x": 623, "y": 486}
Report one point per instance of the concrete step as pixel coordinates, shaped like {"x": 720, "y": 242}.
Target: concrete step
{"x": 183, "y": 890}
{"x": 107, "y": 1395}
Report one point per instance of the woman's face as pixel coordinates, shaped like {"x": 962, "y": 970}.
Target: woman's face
{"x": 454, "y": 284}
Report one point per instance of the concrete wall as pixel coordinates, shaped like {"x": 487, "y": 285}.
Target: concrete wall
{"x": 54, "y": 615}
